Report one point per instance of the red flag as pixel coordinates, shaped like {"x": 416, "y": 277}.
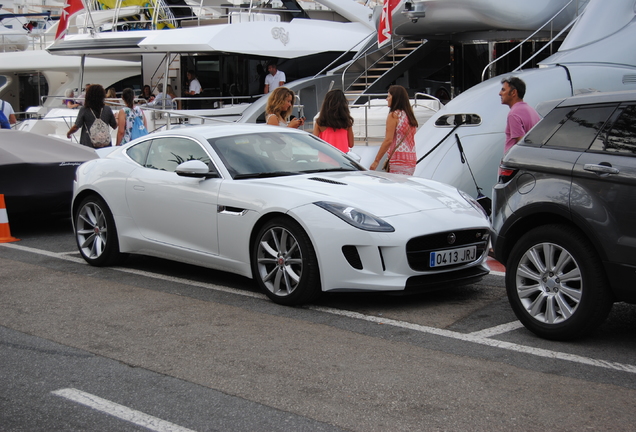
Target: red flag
{"x": 70, "y": 7}
{"x": 385, "y": 26}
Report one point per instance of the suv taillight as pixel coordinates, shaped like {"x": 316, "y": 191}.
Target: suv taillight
{"x": 506, "y": 174}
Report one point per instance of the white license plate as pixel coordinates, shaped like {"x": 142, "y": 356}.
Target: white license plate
{"x": 453, "y": 256}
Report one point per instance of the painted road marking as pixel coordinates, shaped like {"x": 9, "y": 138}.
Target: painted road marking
{"x": 481, "y": 337}
{"x": 120, "y": 411}
{"x": 482, "y": 340}
{"x": 497, "y": 330}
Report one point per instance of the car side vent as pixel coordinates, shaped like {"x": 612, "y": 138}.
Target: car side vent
{"x": 629, "y": 79}
{"x": 352, "y": 256}
{"x": 324, "y": 180}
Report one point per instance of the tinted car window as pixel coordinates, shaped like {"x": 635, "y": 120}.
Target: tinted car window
{"x": 621, "y": 137}
{"x": 167, "y": 153}
{"x": 279, "y": 153}
{"x": 581, "y": 127}
{"x": 139, "y": 152}
{"x": 546, "y": 127}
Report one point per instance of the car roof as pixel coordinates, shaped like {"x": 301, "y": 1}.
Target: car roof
{"x": 593, "y": 97}
{"x": 214, "y": 131}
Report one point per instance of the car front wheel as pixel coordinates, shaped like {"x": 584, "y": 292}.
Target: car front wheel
{"x": 556, "y": 284}
{"x": 284, "y": 263}
{"x": 95, "y": 232}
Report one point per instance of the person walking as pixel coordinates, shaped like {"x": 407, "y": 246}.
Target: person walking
{"x": 126, "y": 117}
{"x": 334, "y": 123}
{"x": 279, "y": 107}
{"x": 399, "y": 140}
{"x": 522, "y": 117}
{"x": 275, "y": 79}
{"x": 92, "y": 109}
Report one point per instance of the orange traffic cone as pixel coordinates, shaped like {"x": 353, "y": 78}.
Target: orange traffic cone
{"x": 5, "y": 232}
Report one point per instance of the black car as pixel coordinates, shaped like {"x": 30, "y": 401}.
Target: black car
{"x": 565, "y": 215}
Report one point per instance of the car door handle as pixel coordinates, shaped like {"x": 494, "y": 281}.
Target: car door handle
{"x": 600, "y": 169}
{"x": 139, "y": 188}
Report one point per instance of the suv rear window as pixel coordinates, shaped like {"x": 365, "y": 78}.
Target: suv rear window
{"x": 581, "y": 127}
{"x": 546, "y": 127}
{"x": 621, "y": 137}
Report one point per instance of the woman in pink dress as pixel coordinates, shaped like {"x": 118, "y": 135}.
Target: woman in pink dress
{"x": 334, "y": 123}
{"x": 399, "y": 141}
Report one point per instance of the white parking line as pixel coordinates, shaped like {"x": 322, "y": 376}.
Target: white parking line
{"x": 481, "y": 337}
{"x": 120, "y": 411}
{"x": 484, "y": 341}
{"x": 65, "y": 256}
{"x": 500, "y": 329}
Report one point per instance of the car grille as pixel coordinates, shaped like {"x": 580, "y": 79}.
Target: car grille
{"x": 418, "y": 249}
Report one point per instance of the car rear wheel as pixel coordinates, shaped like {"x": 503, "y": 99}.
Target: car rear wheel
{"x": 284, "y": 263}
{"x": 556, "y": 284}
{"x": 95, "y": 232}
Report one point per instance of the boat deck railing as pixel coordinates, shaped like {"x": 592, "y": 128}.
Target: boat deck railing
{"x": 534, "y": 34}
{"x": 369, "y": 138}
{"x": 158, "y": 14}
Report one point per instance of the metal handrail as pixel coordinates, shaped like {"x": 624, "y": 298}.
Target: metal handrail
{"x": 428, "y": 96}
{"x": 567, "y": 27}
{"x": 326, "y": 68}
{"x": 364, "y": 53}
{"x": 217, "y": 98}
{"x": 367, "y": 105}
{"x": 483, "y": 73}
{"x": 390, "y": 52}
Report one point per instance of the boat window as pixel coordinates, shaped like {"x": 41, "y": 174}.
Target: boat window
{"x": 450, "y": 120}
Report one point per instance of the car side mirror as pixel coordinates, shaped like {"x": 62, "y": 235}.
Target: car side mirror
{"x": 195, "y": 168}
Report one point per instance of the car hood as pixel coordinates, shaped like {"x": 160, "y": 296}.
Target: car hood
{"x": 382, "y": 194}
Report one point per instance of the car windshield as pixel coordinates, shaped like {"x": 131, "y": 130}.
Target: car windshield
{"x": 278, "y": 153}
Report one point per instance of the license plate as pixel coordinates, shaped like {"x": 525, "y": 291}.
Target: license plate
{"x": 453, "y": 256}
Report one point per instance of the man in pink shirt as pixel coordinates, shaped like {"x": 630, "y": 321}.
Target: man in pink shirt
{"x": 522, "y": 117}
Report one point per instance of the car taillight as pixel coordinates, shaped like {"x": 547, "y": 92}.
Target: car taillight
{"x": 506, "y": 174}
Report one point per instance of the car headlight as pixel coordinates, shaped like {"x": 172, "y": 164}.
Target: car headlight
{"x": 473, "y": 202}
{"x": 356, "y": 217}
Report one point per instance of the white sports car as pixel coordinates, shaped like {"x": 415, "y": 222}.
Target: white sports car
{"x": 280, "y": 206}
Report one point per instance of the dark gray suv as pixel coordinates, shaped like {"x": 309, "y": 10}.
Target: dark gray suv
{"x": 565, "y": 215}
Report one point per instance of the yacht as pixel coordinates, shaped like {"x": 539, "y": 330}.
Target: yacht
{"x": 34, "y": 81}
{"x": 596, "y": 55}
{"x": 227, "y": 46}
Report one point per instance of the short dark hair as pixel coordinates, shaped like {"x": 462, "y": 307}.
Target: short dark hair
{"x": 517, "y": 84}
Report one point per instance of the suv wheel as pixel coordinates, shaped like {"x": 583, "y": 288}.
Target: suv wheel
{"x": 556, "y": 284}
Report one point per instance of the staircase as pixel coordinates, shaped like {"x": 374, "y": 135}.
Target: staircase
{"x": 383, "y": 67}
{"x": 173, "y": 71}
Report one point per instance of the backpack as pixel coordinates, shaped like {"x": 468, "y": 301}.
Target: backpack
{"x": 138, "y": 128}
{"x": 99, "y": 133}
{"x": 4, "y": 121}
